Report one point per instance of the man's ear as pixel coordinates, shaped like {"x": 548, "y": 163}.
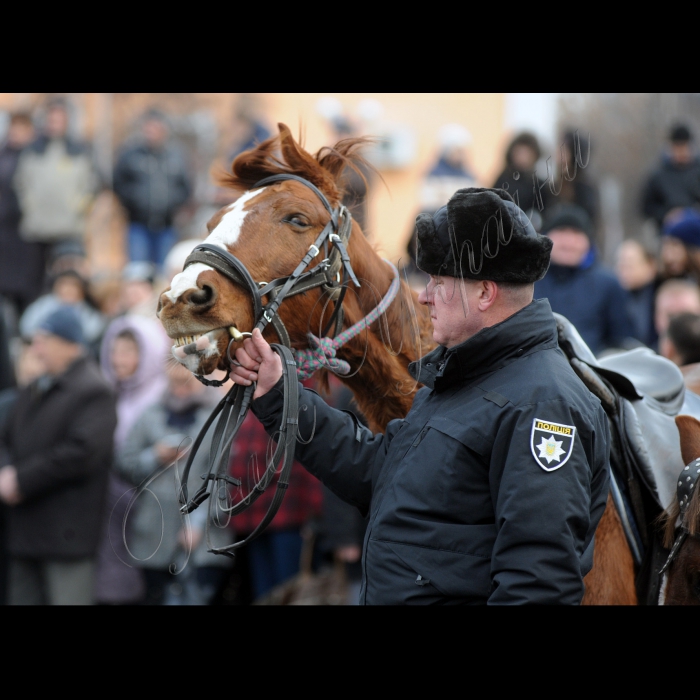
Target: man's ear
{"x": 488, "y": 293}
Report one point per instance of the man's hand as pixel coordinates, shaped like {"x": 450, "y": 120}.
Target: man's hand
{"x": 258, "y": 362}
{"x": 189, "y": 538}
{"x": 9, "y": 487}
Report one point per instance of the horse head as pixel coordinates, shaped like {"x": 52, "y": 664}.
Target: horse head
{"x": 682, "y": 523}
{"x": 270, "y": 228}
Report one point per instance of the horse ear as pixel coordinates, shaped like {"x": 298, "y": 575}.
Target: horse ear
{"x": 689, "y": 430}
{"x": 300, "y": 161}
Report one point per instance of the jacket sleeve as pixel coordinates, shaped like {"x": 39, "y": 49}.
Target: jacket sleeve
{"x": 332, "y": 445}
{"x": 546, "y": 519}
{"x": 653, "y": 204}
{"x": 91, "y": 433}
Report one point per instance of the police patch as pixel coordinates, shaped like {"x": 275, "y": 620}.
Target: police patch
{"x": 551, "y": 443}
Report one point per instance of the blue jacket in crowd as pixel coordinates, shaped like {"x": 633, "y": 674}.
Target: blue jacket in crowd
{"x": 591, "y": 297}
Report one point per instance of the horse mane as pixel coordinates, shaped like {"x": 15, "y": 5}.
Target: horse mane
{"x": 282, "y": 155}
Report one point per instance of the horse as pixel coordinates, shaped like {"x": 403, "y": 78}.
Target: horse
{"x": 270, "y": 229}
{"x": 681, "y": 522}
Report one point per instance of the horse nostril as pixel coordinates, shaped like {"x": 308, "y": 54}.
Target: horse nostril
{"x": 202, "y": 296}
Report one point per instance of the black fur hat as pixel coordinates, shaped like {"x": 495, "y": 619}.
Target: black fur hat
{"x": 481, "y": 234}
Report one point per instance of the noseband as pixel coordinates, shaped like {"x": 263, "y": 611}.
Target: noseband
{"x": 232, "y": 409}
{"x": 684, "y": 491}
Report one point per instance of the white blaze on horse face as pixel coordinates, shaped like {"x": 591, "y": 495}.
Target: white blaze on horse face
{"x": 224, "y": 236}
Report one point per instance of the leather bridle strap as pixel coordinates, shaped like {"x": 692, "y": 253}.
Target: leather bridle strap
{"x": 687, "y": 481}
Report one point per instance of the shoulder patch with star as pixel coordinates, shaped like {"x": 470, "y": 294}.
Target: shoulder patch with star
{"x": 551, "y": 443}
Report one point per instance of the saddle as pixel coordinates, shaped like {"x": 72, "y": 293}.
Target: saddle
{"x": 641, "y": 393}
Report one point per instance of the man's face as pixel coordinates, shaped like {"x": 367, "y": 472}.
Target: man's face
{"x": 155, "y": 132}
{"x": 671, "y": 303}
{"x": 570, "y": 246}
{"x": 450, "y": 301}
{"x": 56, "y": 123}
{"x": 54, "y": 353}
{"x": 681, "y": 152}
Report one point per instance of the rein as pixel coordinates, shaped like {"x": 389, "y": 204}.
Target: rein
{"x": 686, "y": 483}
{"x": 233, "y": 408}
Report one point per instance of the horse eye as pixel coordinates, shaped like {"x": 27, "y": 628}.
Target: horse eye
{"x": 297, "y": 220}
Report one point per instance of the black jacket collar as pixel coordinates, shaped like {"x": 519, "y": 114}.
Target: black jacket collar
{"x": 531, "y": 329}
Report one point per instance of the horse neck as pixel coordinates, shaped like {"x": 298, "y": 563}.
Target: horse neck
{"x": 379, "y": 358}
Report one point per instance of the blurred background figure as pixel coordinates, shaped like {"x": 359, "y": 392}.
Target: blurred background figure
{"x": 55, "y": 454}
{"x": 580, "y": 288}
{"x": 138, "y": 294}
{"x": 27, "y": 368}
{"x": 132, "y": 356}
{"x": 451, "y": 171}
{"x": 674, "y": 297}
{"x": 516, "y": 178}
{"x": 247, "y": 128}
{"x": 68, "y": 287}
{"x": 152, "y": 180}
{"x": 681, "y": 345}
{"x": 275, "y": 556}
{"x": 637, "y": 272}
{"x": 675, "y": 183}
{"x": 162, "y": 540}
{"x": 680, "y": 245}
{"x": 175, "y": 260}
{"x": 55, "y": 182}
{"x": 572, "y": 181}
{"x": 21, "y": 262}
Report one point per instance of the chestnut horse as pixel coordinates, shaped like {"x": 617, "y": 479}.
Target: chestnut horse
{"x": 681, "y": 585}
{"x": 270, "y": 230}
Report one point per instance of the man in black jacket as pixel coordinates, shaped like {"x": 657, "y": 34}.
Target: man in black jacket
{"x": 152, "y": 180}
{"x": 675, "y": 184}
{"x": 491, "y": 488}
{"x": 55, "y": 453}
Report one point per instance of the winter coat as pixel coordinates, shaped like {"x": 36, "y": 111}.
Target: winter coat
{"x": 671, "y": 185}
{"x": 591, "y": 297}
{"x": 56, "y": 184}
{"x": 21, "y": 263}
{"x": 152, "y": 184}
{"x": 59, "y": 438}
{"x": 155, "y": 518}
{"x": 491, "y": 488}
{"x": 117, "y": 577}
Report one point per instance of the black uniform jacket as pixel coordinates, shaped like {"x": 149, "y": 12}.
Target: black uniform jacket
{"x": 490, "y": 490}
{"x": 60, "y": 440}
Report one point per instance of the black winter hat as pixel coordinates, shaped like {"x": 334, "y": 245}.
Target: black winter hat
{"x": 481, "y": 234}
{"x": 569, "y": 216}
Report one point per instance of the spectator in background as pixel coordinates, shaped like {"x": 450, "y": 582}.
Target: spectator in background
{"x": 137, "y": 293}
{"x": 152, "y": 181}
{"x": 274, "y": 556}
{"x": 571, "y": 180}
{"x": 674, "y": 297}
{"x": 675, "y": 183}
{"x": 681, "y": 345}
{"x": 247, "y": 127}
{"x": 68, "y": 287}
{"x": 29, "y": 368}
{"x": 162, "y": 538}
{"x": 55, "y": 183}
{"x": 55, "y": 455}
{"x": 132, "y": 356}
{"x": 580, "y": 288}
{"x": 21, "y": 262}
{"x": 636, "y": 270}
{"x": 680, "y": 245}
{"x": 451, "y": 171}
{"x": 522, "y": 155}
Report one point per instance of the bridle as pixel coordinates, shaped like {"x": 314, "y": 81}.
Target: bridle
{"x": 233, "y": 408}
{"x": 687, "y": 480}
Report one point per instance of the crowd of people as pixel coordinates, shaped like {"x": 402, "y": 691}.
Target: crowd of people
{"x": 96, "y": 418}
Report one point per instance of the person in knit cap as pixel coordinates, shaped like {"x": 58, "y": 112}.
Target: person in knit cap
{"x": 580, "y": 288}
{"x": 491, "y": 488}
{"x": 55, "y": 455}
